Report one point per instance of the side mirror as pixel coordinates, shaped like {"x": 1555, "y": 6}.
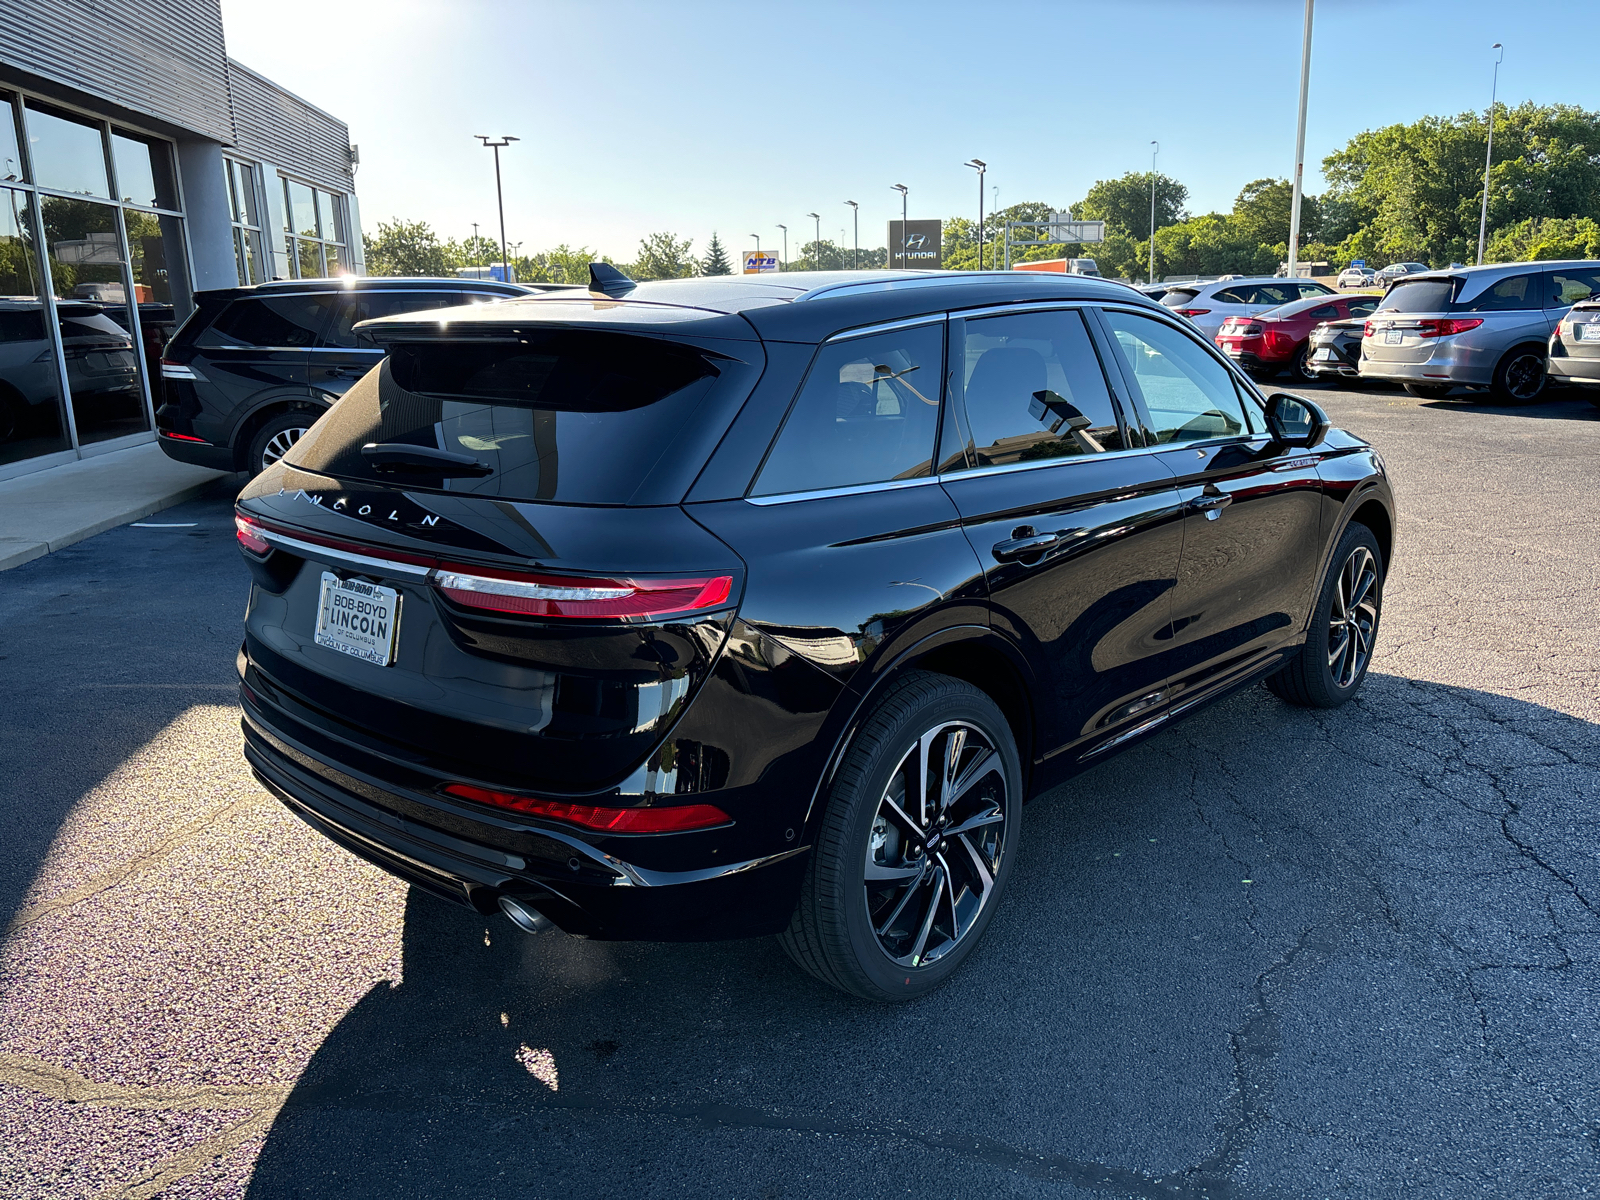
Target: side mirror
{"x": 1295, "y": 421}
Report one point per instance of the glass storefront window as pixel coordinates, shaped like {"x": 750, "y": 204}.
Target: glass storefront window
{"x": 68, "y": 153}
{"x": 301, "y": 209}
{"x": 10, "y": 156}
{"x": 332, "y": 217}
{"x": 31, "y": 416}
{"x": 310, "y": 259}
{"x": 144, "y": 171}
{"x": 90, "y": 277}
{"x": 336, "y": 263}
{"x": 155, "y": 248}
{"x": 242, "y": 193}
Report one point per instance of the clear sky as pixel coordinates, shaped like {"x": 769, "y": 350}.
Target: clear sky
{"x": 699, "y": 115}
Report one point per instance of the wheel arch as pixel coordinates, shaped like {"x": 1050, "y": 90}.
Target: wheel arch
{"x": 244, "y": 433}
{"x": 1372, "y": 513}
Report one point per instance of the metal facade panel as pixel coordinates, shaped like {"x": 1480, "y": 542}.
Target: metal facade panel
{"x": 298, "y": 138}
{"x": 166, "y": 58}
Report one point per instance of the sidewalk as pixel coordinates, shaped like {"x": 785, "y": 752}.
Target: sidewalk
{"x": 45, "y": 511}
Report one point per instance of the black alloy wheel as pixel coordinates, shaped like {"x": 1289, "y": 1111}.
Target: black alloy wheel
{"x": 275, "y": 439}
{"x": 1329, "y": 668}
{"x": 916, "y": 844}
{"x": 1300, "y": 367}
{"x": 1520, "y": 377}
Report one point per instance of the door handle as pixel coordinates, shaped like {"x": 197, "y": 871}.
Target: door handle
{"x": 1211, "y": 503}
{"x": 1024, "y": 542}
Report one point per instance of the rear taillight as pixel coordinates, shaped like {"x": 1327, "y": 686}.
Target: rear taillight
{"x": 1444, "y": 327}
{"x": 564, "y": 596}
{"x": 1192, "y": 312}
{"x": 671, "y": 818}
{"x": 1366, "y": 330}
{"x": 249, "y": 535}
{"x": 175, "y": 370}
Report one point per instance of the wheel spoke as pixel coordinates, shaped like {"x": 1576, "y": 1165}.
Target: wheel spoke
{"x": 927, "y": 922}
{"x": 1364, "y": 585}
{"x": 989, "y": 816}
{"x": 978, "y": 863}
{"x": 884, "y": 873}
{"x": 899, "y": 908}
{"x": 954, "y": 744}
{"x": 924, "y": 744}
{"x": 1336, "y": 649}
{"x": 986, "y": 763}
{"x": 950, "y": 899}
{"x": 901, "y": 815}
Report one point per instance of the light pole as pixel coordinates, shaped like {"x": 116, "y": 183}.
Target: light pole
{"x": 816, "y": 246}
{"x": 855, "y": 219}
{"x": 477, "y": 251}
{"x": 1153, "y": 154}
{"x": 978, "y": 165}
{"x": 904, "y": 192}
{"x": 1488, "y": 155}
{"x": 495, "y": 144}
{"x": 1300, "y": 147}
{"x": 785, "y": 229}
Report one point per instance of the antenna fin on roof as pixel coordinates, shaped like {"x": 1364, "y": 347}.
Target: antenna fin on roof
{"x": 603, "y": 277}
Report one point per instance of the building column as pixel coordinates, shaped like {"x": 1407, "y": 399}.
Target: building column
{"x": 208, "y": 215}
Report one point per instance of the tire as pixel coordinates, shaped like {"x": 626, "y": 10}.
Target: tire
{"x": 274, "y": 439}
{"x": 1520, "y": 377}
{"x": 1319, "y": 676}
{"x": 1300, "y": 366}
{"x": 1428, "y": 391}
{"x": 903, "y": 935}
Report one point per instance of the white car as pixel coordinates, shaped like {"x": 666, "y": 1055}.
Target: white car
{"x": 1208, "y": 305}
{"x": 1357, "y": 277}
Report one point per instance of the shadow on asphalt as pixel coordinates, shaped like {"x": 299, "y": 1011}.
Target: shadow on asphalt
{"x": 1129, "y": 1007}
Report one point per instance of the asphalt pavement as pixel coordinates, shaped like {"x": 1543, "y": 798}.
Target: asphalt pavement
{"x": 1268, "y": 953}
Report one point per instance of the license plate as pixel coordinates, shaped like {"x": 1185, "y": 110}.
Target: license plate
{"x": 1236, "y": 351}
{"x": 1587, "y": 333}
{"x": 358, "y": 618}
{"x": 1393, "y": 337}
{"x": 1325, "y": 355}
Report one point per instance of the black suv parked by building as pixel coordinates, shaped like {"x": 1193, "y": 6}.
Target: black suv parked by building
{"x": 252, "y": 367}
{"x": 722, "y": 607}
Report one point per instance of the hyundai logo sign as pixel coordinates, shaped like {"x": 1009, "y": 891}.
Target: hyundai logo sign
{"x": 918, "y": 247}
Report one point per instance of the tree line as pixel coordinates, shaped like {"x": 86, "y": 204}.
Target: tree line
{"x": 1403, "y": 193}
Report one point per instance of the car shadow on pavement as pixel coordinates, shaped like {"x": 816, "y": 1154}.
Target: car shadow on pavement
{"x": 1353, "y": 946}
{"x": 1559, "y": 405}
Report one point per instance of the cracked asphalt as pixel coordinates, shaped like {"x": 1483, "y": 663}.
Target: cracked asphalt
{"x": 1268, "y": 953}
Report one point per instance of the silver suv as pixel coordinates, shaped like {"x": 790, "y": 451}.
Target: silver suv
{"x": 1477, "y": 327}
{"x": 1211, "y": 303}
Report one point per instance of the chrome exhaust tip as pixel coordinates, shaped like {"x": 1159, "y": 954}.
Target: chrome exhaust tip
{"x": 524, "y": 916}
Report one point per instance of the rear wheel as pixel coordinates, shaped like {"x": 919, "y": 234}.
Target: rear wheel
{"x": 1344, "y": 628}
{"x": 1428, "y": 391}
{"x": 275, "y": 439}
{"x": 1300, "y": 368}
{"x": 915, "y": 846}
{"x": 1520, "y": 377}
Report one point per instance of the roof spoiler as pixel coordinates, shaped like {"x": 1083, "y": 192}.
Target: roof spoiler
{"x": 603, "y": 277}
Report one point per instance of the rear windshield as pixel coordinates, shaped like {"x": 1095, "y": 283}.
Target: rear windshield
{"x": 1419, "y": 296}
{"x": 1178, "y": 297}
{"x": 569, "y": 416}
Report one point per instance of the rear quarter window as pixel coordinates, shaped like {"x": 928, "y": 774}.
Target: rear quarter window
{"x": 268, "y": 322}
{"x": 1179, "y": 297}
{"x": 1419, "y": 296}
{"x": 1508, "y": 295}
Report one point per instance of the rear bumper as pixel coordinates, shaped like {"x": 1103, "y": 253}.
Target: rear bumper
{"x": 1582, "y": 371}
{"x": 582, "y": 889}
{"x": 1453, "y": 362}
{"x": 1249, "y": 360}
{"x": 200, "y": 454}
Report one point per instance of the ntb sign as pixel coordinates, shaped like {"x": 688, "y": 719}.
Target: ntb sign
{"x": 758, "y": 261}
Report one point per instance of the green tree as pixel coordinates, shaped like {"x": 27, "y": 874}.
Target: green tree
{"x": 663, "y": 256}
{"x": 1124, "y": 204}
{"x": 1539, "y": 239}
{"x": 821, "y": 256}
{"x": 406, "y": 248}
{"x": 1211, "y": 245}
{"x": 1262, "y": 212}
{"x": 563, "y": 264}
{"x": 716, "y": 259}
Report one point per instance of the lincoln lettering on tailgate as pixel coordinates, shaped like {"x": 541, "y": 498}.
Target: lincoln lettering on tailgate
{"x": 358, "y": 618}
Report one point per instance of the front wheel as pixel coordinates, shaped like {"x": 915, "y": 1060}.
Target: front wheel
{"x": 915, "y": 846}
{"x": 1329, "y": 668}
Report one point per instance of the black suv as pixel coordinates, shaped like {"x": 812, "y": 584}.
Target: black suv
{"x": 253, "y": 367}
{"x": 722, "y": 607}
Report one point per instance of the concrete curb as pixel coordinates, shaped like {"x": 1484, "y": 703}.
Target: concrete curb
{"x": 28, "y": 551}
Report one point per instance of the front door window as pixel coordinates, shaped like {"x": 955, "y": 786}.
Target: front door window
{"x": 1187, "y": 394}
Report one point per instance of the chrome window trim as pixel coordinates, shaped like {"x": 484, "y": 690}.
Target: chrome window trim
{"x": 1038, "y": 464}
{"x": 996, "y": 310}
{"x": 887, "y": 485}
{"x": 341, "y": 350}
{"x": 885, "y": 327}
{"x": 910, "y": 279}
{"x": 326, "y": 553}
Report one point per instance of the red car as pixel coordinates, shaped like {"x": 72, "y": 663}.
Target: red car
{"x": 1279, "y": 339}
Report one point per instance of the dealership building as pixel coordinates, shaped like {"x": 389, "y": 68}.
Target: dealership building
{"x": 138, "y": 165}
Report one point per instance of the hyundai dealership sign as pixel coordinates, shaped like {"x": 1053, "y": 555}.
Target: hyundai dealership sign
{"x": 921, "y": 248}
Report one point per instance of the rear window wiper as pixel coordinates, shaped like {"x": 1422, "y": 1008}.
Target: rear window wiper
{"x": 403, "y": 458}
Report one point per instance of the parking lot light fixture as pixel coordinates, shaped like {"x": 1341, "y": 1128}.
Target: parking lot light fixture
{"x": 1300, "y": 147}
{"x": 816, "y": 247}
{"x": 855, "y": 218}
{"x": 1488, "y": 155}
{"x": 904, "y": 192}
{"x": 495, "y": 144}
{"x": 1153, "y": 154}
{"x": 785, "y": 259}
{"x": 980, "y": 165}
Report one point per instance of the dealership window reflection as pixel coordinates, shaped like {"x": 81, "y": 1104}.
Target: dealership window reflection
{"x": 68, "y": 152}
{"x": 88, "y": 273}
{"x": 31, "y": 418}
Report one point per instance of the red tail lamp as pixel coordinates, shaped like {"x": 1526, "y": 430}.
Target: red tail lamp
{"x": 249, "y": 535}
{"x": 558, "y": 596}
{"x": 674, "y": 818}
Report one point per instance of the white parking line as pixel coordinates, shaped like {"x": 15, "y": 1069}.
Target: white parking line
{"x": 161, "y": 525}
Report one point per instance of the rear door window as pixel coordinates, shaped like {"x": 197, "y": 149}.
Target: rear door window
{"x": 1309, "y": 290}
{"x": 574, "y": 416}
{"x": 1508, "y": 295}
{"x": 1362, "y": 307}
{"x": 1179, "y": 297}
{"x": 269, "y": 322}
{"x": 1324, "y": 312}
{"x": 1032, "y": 388}
{"x": 1189, "y": 395}
{"x": 1571, "y": 285}
{"x": 867, "y": 414}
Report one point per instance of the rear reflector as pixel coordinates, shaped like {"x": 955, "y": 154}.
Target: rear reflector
{"x": 249, "y": 535}
{"x": 184, "y": 437}
{"x": 675, "y": 818}
{"x": 558, "y": 596}
{"x": 1192, "y": 312}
